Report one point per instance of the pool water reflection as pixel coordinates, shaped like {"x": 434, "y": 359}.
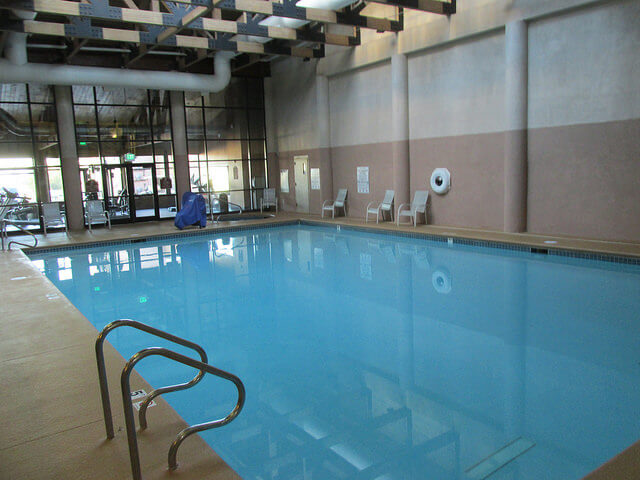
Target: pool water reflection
{"x": 377, "y": 357}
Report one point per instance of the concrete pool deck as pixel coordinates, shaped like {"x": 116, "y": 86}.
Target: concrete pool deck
{"x": 50, "y": 414}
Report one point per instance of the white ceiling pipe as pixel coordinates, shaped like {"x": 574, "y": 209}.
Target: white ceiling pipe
{"x": 117, "y": 77}
{"x": 16, "y": 43}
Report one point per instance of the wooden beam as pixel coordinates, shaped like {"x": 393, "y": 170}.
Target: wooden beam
{"x": 190, "y": 17}
{"x": 131, "y": 4}
{"x": 133, "y": 36}
{"x": 77, "y": 45}
{"x": 432, "y": 6}
{"x": 147, "y": 17}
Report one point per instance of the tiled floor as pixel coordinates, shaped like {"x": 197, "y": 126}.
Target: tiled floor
{"x": 50, "y": 415}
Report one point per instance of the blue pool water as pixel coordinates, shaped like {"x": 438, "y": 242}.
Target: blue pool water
{"x": 368, "y": 356}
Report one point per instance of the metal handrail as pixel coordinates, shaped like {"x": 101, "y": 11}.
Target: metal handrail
{"x": 3, "y": 234}
{"x": 128, "y": 405}
{"x": 102, "y": 372}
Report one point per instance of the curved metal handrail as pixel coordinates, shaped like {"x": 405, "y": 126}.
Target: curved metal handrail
{"x": 128, "y": 406}
{"x": 3, "y": 233}
{"x": 102, "y": 372}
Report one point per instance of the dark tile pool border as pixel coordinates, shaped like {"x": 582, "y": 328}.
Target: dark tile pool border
{"x": 446, "y": 239}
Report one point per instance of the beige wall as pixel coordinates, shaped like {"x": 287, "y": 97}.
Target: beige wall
{"x": 583, "y": 114}
{"x": 584, "y": 180}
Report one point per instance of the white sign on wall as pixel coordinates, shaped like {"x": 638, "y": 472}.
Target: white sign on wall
{"x": 315, "y": 179}
{"x": 362, "y": 174}
{"x": 284, "y": 180}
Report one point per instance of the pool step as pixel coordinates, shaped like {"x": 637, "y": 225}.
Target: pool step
{"x": 499, "y": 459}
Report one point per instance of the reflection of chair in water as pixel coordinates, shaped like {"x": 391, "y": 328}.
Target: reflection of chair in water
{"x": 385, "y": 206}
{"x": 340, "y": 241}
{"x": 420, "y": 255}
{"x": 53, "y": 217}
{"x": 418, "y": 206}
{"x": 339, "y": 202}
{"x": 269, "y": 199}
{"x": 95, "y": 213}
{"x": 386, "y": 249}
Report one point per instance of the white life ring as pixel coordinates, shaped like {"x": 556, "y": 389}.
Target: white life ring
{"x": 440, "y": 181}
{"x": 441, "y": 280}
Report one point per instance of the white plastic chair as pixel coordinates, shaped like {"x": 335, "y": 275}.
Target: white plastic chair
{"x": 95, "y": 213}
{"x": 53, "y": 217}
{"x": 269, "y": 199}
{"x": 419, "y": 205}
{"x": 339, "y": 202}
{"x": 385, "y": 206}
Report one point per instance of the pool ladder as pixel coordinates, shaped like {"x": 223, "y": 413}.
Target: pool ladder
{"x": 201, "y": 365}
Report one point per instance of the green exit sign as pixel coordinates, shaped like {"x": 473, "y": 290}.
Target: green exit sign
{"x": 129, "y": 157}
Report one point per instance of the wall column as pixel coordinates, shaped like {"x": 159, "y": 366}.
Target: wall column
{"x": 515, "y": 142}
{"x": 179, "y": 135}
{"x": 324, "y": 135}
{"x": 273, "y": 165}
{"x": 400, "y": 127}
{"x": 71, "y": 183}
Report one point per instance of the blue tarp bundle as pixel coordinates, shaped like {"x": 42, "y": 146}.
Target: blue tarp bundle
{"x": 193, "y": 211}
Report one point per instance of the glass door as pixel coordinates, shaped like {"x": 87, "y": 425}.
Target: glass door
{"x": 116, "y": 192}
{"x": 130, "y": 192}
{"x": 144, "y": 189}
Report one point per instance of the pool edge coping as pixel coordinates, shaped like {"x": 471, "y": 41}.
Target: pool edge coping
{"x": 457, "y": 238}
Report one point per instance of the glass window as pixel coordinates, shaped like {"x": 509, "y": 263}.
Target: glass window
{"x": 16, "y": 122}
{"x": 256, "y": 124}
{"x": 82, "y": 94}
{"x": 121, "y": 96}
{"x": 255, "y": 93}
{"x": 29, "y": 167}
{"x": 225, "y": 123}
{"x": 43, "y": 117}
{"x": 195, "y": 123}
{"x": 225, "y": 150}
{"x": 39, "y": 93}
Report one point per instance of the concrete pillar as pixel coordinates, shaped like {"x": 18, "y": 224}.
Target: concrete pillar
{"x": 515, "y": 146}
{"x": 273, "y": 166}
{"x": 324, "y": 136}
{"x": 179, "y": 134}
{"x": 69, "y": 158}
{"x": 400, "y": 127}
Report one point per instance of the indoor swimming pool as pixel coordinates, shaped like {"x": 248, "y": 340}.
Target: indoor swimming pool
{"x": 376, "y": 356}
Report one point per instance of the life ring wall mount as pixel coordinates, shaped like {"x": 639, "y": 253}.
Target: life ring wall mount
{"x": 441, "y": 181}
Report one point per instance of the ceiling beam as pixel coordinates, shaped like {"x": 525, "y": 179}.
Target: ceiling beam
{"x": 77, "y": 45}
{"x": 144, "y": 38}
{"x": 183, "y": 23}
{"x": 432, "y": 6}
{"x": 289, "y": 9}
{"x": 147, "y": 17}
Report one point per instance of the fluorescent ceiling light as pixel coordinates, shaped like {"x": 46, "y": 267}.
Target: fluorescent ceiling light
{"x": 282, "y": 22}
{"x": 250, "y": 38}
{"x": 325, "y": 4}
